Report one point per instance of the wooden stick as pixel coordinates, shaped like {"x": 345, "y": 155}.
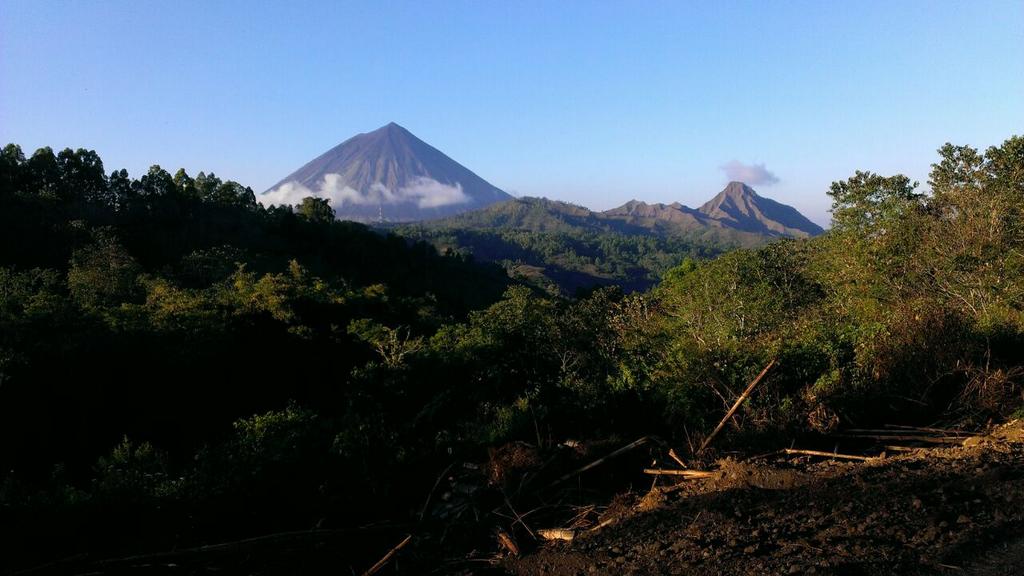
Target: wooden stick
{"x": 599, "y": 461}
{"x": 926, "y": 429}
{"x": 380, "y": 563}
{"x": 506, "y": 541}
{"x": 926, "y": 439}
{"x": 519, "y": 519}
{"x": 765, "y": 455}
{"x": 827, "y": 454}
{"x": 557, "y": 534}
{"x": 684, "y": 473}
{"x": 902, "y": 448}
{"x": 602, "y": 524}
{"x": 672, "y": 454}
{"x": 879, "y": 431}
{"x": 735, "y": 406}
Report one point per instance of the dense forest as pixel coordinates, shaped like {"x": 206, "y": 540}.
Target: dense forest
{"x": 180, "y": 365}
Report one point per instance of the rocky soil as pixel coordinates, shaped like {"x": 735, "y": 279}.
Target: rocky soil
{"x": 950, "y": 510}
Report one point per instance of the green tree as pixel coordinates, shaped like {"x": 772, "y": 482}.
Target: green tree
{"x": 83, "y": 178}
{"x": 232, "y": 193}
{"x": 317, "y": 210}
{"x": 392, "y": 344}
{"x": 103, "y": 273}
{"x": 973, "y": 252}
{"x": 185, "y": 184}
{"x": 44, "y": 174}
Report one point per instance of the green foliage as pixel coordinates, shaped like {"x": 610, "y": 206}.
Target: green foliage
{"x": 273, "y": 438}
{"x": 131, "y": 472}
{"x": 563, "y": 248}
{"x": 102, "y": 273}
{"x": 392, "y": 344}
{"x": 739, "y": 297}
{"x": 870, "y": 205}
{"x": 315, "y": 210}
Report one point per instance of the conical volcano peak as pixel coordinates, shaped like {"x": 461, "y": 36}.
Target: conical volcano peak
{"x": 393, "y": 128}
{"x": 739, "y": 206}
{"x": 387, "y": 174}
{"x": 737, "y": 189}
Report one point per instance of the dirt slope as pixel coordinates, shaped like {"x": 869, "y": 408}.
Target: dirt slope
{"x": 955, "y": 510}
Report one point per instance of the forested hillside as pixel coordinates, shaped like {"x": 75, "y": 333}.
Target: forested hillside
{"x": 181, "y": 366}
{"x": 564, "y": 248}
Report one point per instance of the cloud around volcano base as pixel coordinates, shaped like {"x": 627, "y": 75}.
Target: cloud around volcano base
{"x": 424, "y": 192}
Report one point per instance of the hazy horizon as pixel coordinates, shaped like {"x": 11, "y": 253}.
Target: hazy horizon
{"x": 592, "y": 104}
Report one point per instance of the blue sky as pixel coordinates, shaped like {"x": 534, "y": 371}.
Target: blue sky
{"x": 590, "y": 102}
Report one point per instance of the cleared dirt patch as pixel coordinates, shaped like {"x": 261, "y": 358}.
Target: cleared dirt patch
{"x": 949, "y": 510}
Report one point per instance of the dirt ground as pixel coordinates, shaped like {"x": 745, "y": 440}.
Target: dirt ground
{"x": 950, "y": 510}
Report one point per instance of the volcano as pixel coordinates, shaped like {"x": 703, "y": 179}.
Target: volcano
{"x": 387, "y": 175}
{"x": 738, "y": 206}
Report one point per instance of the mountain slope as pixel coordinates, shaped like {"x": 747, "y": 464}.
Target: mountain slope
{"x": 740, "y": 207}
{"x": 387, "y": 174}
{"x": 564, "y": 246}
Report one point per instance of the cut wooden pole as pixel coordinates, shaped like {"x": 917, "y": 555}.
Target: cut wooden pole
{"x": 684, "y": 473}
{"x": 597, "y": 462}
{"x": 380, "y": 563}
{"x": 826, "y": 454}
{"x": 735, "y": 407}
{"x": 672, "y": 454}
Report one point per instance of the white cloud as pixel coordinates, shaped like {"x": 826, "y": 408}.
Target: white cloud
{"x": 430, "y": 193}
{"x": 424, "y": 192}
{"x": 752, "y": 174}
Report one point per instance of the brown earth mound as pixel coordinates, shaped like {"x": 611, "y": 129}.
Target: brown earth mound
{"x": 949, "y": 510}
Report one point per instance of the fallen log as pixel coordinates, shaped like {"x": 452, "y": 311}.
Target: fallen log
{"x": 735, "y": 407}
{"x": 798, "y": 451}
{"x": 683, "y": 473}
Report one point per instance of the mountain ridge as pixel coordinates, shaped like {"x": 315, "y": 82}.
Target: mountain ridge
{"x": 737, "y": 207}
{"x": 390, "y": 175}
{"x": 565, "y": 247}
{"x": 741, "y": 207}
